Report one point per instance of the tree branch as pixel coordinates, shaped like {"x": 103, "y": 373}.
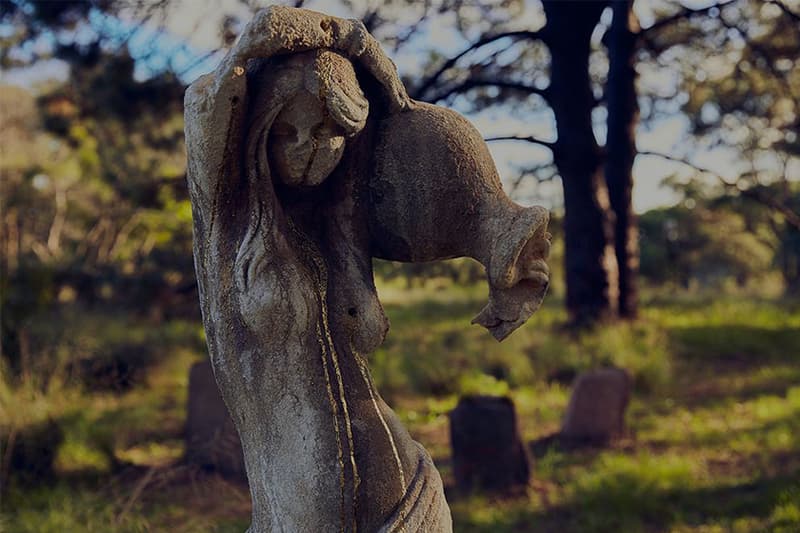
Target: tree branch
{"x": 791, "y": 217}
{"x": 420, "y": 91}
{"x": 197, "y": 62}
{"x": 788, "y": 12}
{"x": 764, "y": 54}
{"x": 534, "y": 172}
{"x": 534, "y": 140}
{"x": 468, "y": 84}
{"x": 684, "y": 13}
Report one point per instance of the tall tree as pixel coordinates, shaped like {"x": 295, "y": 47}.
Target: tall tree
{"x": 623, "y": 114}
{"x": 552, "y": 65}
{"x": 588, "y": 234}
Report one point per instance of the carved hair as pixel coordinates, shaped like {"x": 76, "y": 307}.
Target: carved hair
{"x": 333, "y": 79}
{"x": 339, "y": 88}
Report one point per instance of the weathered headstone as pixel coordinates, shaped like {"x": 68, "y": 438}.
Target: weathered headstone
{"x": 30, "y": 453}
{"x": 211, "y": 438}
{"x": 596, "y": 410}
{"x": 307, "y": 159}
{"x": 487, "y": 451}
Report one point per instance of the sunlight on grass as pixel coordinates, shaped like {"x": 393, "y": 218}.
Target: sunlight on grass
{"x": 712, "y": 440}
{"x": 622, "y": 485}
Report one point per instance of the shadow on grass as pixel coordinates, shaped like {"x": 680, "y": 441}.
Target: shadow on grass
{"x": 758, "y": 437}
{"x": 721, "y": 364}
{"x": 82, "y": 445}
{"x": 179, "y": 498}
{"x": 736, "y": 345}
{"x": 624, "y": 502}
{"x": 728, "y": 386}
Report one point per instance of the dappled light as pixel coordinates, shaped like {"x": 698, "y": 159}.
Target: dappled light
{"x": 661, "y": 135}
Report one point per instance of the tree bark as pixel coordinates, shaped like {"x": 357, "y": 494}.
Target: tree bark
{"x": 623, "y": 114}
{"x": 589, "y": 258}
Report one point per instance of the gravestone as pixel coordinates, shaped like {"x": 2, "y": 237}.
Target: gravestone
{"x": 211, "y": 438}
{"x": 30, "y": 454}
{"x": 307, "y": 159}
{"x": 487, "y": 451}
{"x": 596, "y": 410}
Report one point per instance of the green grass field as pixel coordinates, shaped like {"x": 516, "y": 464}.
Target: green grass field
{"x": 713, "y": 441}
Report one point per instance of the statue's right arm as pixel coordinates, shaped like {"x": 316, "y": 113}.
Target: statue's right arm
{"x": 215, "y": 103}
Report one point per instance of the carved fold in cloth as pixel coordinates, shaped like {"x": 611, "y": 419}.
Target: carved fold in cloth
{"x": 423, "y": 508}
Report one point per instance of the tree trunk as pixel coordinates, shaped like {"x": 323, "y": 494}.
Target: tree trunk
{"x": 589, "y": 257}
{"x": 623, "y": 114}
{"x": 790, "y": 260}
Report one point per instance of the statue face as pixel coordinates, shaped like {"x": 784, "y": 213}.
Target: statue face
{"x": 305, "y": 143}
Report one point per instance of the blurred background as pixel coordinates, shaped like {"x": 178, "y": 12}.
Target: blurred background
{"x": 662, "y": 134}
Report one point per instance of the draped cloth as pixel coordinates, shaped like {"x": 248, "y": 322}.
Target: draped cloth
{"x": 423, "y": 507}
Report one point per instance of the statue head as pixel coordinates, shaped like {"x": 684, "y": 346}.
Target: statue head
{"x": 307, "y": 138}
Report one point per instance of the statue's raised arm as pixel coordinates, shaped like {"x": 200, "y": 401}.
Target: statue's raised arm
{"x": 217, "y": 100}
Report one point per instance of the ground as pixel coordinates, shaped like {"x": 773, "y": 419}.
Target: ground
{"x": 713, "y": 440}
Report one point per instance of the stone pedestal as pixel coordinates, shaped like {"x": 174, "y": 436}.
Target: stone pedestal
{"x": 211, "y": 439}
{"x": 487, "y": 451}
{"x": 596, "y": 410}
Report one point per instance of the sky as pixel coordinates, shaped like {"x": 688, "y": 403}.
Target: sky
{"x": 191, "y": 31}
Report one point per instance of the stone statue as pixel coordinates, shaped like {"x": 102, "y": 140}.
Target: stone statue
{"x": 306, "y": 160}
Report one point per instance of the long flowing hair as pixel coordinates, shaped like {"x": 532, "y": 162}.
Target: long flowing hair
{"x": 271, "y": 86}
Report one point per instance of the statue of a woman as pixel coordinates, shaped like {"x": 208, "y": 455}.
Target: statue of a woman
{"x": 307, "y": 159}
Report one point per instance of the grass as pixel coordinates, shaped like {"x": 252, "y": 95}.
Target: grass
{"x": 713, "y": 442}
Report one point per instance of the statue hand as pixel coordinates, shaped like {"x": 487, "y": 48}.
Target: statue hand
{"x": 279, "y": 29}
{"x": 350, "y": 36}
{"x": 353, "y": 40}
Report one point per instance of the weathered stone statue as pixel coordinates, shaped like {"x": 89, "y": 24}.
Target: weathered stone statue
{"x": 306, "y": 160}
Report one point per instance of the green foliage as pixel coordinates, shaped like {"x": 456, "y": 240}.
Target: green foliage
{"x": 704, "y": 245}
{"x": 737, "y": 79}
{"x": 94, "y": 202}
{"x": 735, "y": 72}
{"x": 624, "y": 493}
{"x": 62, "y": 509}
{"x": 713, "y": 420}
{"x": 434, "y": 359}
{"x": 462, "y": 271}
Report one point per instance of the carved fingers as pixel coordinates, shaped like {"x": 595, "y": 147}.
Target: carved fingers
{"x": 355, "y": 41}
{"x": 350, "y": 36}
{"x": 281, "y": 30}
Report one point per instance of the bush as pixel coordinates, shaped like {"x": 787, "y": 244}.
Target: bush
{"x": 32, "y": 451}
